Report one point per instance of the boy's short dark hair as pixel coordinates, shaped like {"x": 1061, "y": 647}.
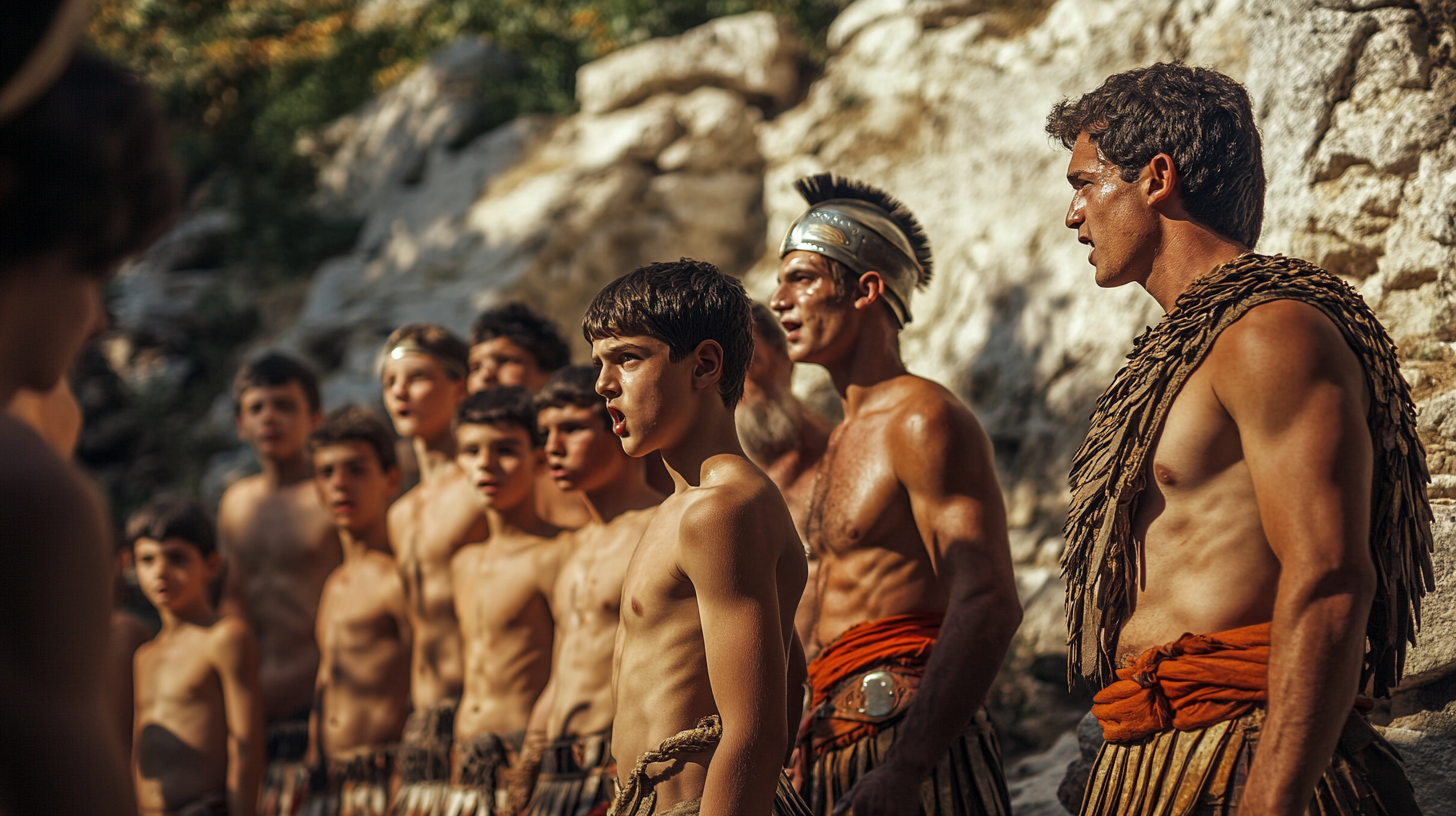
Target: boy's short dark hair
{"x": 533, "y": 332}
{"x": 271, "y": 371}
{"x": 508, "y": 405}
{"x": 1200, "y": 117}
{"x": 766, "y": 325}
{"x": 436, "y": 341}
{"x": 682, "y": 303}
{"x": 355, "y": 423}
{"x": 573, "y": 385}
{"x": 167, "y": 517}
{"x": 86, "y": 167}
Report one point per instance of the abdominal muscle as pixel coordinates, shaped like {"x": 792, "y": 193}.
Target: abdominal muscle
{"x": 1202, "y": 562}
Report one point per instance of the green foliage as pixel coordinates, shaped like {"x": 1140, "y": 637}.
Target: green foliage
{"x": 244, "y": 80}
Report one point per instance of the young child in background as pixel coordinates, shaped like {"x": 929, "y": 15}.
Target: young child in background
{"x": 362, "y": 694}
{"x": 513, "y": 345}
{"x": 502, "y": 596}
{"x": 279, "y": 546}
{"x": 197, "y": 747}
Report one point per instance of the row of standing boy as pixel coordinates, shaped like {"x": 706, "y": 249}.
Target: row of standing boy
{"x": 381, "y": 620}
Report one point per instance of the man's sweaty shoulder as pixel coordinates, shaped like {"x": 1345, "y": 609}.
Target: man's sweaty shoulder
{"x": 1280, "y": 342}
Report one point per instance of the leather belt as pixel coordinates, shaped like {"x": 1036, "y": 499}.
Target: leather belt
{"x": 873, "y": 696}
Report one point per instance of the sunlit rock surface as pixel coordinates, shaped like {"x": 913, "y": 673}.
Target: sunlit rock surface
{"x": 688, "y": 146}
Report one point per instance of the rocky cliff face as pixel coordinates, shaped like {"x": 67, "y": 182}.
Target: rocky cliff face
{"x": 688, "y": 146}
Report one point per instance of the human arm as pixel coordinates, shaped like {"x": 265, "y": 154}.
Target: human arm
{"x": 726, "y": 541}
{"x": 794, "y": 693}
{"x": 236, "y": 658}
{"x": 1297, "y": 395}
{"x": 943, "y": 459}
{"x": 234, "y": 600}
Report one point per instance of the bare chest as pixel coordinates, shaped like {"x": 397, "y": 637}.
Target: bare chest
{"x": 286, "y": 537}
{"x": 355, "y": 615}
{"x": 494, "y": 595}
{"x": 855, "y": 497}
{"x": 429, "y": 527}
{"x": 176, "y": 675}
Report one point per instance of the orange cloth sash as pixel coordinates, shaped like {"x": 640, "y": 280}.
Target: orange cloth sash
{"x": 903, "y": 641}
{"x": 1194, "y": 682}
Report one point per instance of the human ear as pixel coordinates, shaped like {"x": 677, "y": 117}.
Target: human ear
{"x": 871, "y": 290}
{"x": 212, "y": 564}
{"x": 707, "y": 364}
{"x": 1161, "y": 180}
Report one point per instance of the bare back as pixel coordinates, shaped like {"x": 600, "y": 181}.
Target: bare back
{"x": 502, "y": 597}
{"x": 588, "y": 607}
{"x": 56, "y": 579}
{"x": 680, "y": 656}
{"x": 427, "y": 526}
{"x": 364, "y": 639}
{"x": 1207, "y": 564}
{"x": 280, "y": 546}
{"x": 180, "y": 737}
{"x": 873, "y": 560}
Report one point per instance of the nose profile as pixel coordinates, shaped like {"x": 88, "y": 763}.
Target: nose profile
{"x": 1074, "y": 217}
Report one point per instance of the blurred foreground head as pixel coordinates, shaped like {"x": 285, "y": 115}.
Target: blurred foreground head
{"x": 86, "y": 181}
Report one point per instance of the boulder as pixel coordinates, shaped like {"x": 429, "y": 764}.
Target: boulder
{"x": 389, "y": 140}
{"x": 754, "y": 54}
{"x": 1434, "y": 655}
{"x": 1033, "y": 781}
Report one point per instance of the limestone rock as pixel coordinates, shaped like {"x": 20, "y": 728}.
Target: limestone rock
{"x": 1428, "y": 760}
{"x": 753, "y": 54}
{"x": 388, "y": 141}
{"x": 1434, "y": 654}
{"x": 1034, "y": 780}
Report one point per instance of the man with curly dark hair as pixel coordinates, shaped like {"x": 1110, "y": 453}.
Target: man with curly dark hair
{"x": 1252, "y": 477}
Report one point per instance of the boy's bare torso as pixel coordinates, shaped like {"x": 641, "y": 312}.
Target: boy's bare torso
{"x": 282, "y": 547}
{"x": 588, "y": 604}
{"x": 661, "y": 666}
{"x": 181, "y": 729}
{"x": 1205, "y": 564}
{"x": 364, "y": 669}
{"x": 872, "y": 561}
{"x": 427, "y": 526}
{"x": 502, "y": 590}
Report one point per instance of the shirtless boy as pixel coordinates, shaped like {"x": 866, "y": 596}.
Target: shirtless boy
{"x": 787, "y": 439}
{"x": 1231, "y": 461}
{"x": 502, "y": 597}
{"x": 513, "y": 345}
{"x": 575, "y": 713}
{"x": 703, "y": 651}
{"x": 917, "y": 602}
{"x": 197, "y": 746}
{"x": 362, "y": 692}
{"x": 424, "y": 371}
{"x": 88, "y": 183}
{"x": 280, "y": 546}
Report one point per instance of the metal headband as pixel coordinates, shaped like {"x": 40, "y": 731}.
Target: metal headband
{"x": 862, "y": 237}
{"x": 409, "y": 345}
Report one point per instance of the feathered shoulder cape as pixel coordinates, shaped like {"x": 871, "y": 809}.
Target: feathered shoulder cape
{"x": 1108, "y": 472}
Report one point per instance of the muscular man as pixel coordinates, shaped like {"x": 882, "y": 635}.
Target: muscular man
{"x": 787, "y": 439}
{"x": 706, "y": 643}
{"x": 280, "y": 546}
{"x": 1241, "y": 471}
{"x": 575, "y": 712}
{"x": 423, "y": 374}
{"x": 87, "y": 183}
{"x": 917, "y": 603}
